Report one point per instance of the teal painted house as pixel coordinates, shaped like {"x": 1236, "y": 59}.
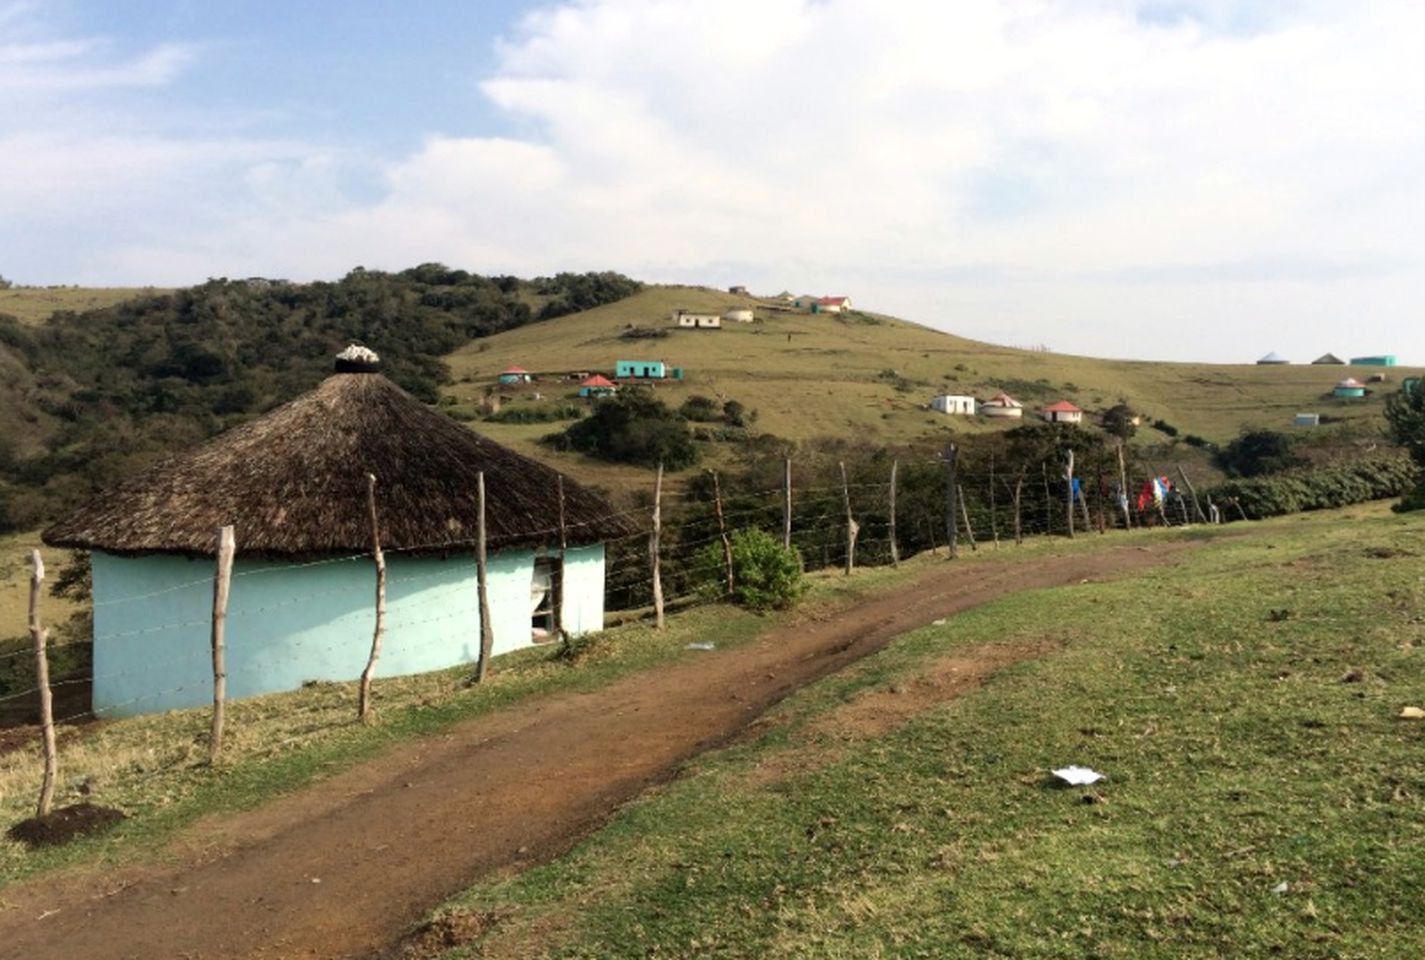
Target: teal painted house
{"x": 302, "y": 605}
{"x": 1384, "y": 360}
{"x": 1350, "y": 387}
{"x": 640, "y": 370}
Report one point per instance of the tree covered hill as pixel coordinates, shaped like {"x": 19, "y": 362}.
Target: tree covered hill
{"x": 90, "y": 397}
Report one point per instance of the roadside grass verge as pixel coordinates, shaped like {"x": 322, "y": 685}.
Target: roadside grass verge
{"x": 1263, "y": 798}
{"x": 155, "y": 768}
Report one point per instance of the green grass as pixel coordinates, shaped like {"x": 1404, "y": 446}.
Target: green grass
{"x": 1242, "y": 753}
{"x": 820, "y": 375}
{"x": 155, "y": 768}
{"x": 36, "y": 304}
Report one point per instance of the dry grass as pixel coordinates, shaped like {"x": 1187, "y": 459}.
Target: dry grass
{"x": 36, "y": 304}
{"x": 817, "y": 375}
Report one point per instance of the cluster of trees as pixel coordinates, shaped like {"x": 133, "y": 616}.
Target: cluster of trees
{"x": 117, "y": 387}
{"x": 638, "y": 428}
{"x": 1405, "y": 414}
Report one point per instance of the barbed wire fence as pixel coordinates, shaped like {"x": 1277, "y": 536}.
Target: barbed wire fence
{"x": 867, "y": 513}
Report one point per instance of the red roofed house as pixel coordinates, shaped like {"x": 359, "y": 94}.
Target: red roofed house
{"x": 1062, "y": 412}
{"x": 831, "y": 304}
{"x": 515, "y": 375}
{"x": 598, "y": 386}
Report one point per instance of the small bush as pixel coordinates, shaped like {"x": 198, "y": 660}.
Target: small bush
{"x": 545, "y": 414}
{"x": 1336, "y": 485}
{"x": 765, "y": 575}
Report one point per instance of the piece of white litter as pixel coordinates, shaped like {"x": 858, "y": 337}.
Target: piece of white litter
{"x": 938, "y": 623}
{"x": 1412, "y": 713}
{"x": 1077, "y": 776}
{"x": 1280, "y": 888}
{"x": 701, "y": 646}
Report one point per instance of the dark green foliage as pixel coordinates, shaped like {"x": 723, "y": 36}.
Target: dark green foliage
{"x": 631, "y": 427}
{"x": 700, "y": 409}
{"x": 734, "y": 414}
{"x": 540, "y": 414}
{"x": 131, "y": 382}
{"x": 1338, "y": 485}
{"x": 765, "y": 575}
{"x": 631, "y": 332}
{"x": 1118, "y": 421}
{"x": 1258, "y": 452}
{"x": 1405, "y": 414}
{"x": 1162, "y": 426}
{"x": 1193, "y": 440}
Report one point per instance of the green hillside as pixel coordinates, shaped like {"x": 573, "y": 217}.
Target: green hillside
{"x": 871, "y": 376}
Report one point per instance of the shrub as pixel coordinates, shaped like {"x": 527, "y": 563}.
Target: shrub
{"x": 700, "y": 409}
{"x": 1336, "y": 485}
{"x": 544, "y": 414}
{"x": 765, "y": 574}
{"x": 1256, "y": 452}
{"x": 631, "y": 427}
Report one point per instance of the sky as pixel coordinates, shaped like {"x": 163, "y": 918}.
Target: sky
{"x": 1162, "y": 179}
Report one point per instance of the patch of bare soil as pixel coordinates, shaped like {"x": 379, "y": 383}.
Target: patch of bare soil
{"x": 346, "y": 866}
{"x": 62, "y": 825}
{"x": 830, "y": 736}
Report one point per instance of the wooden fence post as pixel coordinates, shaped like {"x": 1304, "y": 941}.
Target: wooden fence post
{"x": 482, "y": 587}
{"x": 1069, "y": 481}
{"x": 40, "y": 635}
{"x": 556, "y": 582}
{"x": 787, "y": 503}
{"x": 1048, "y": 500}
{"x": 653, "y": 538}
{"x": 1123, "y": 489}
{"x": 994, "y": 516}
{"x": 965, "y": 515}
{"x": 852, "y": 527}
{"x": 951, "y": 486}
{"x": 1102, "y": 521}
{"x": 222, "y": 585}
{"x": 1196, "y": 507}
{"x": 1018, "y": 499}
{"x": 722, "y": 531}
{"x": 363, "y": 697}
{"x": 895, "y": 550}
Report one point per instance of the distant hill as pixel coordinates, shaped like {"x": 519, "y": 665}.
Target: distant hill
{"x": 871, "y": 376}
{"x": 37, "y": 304}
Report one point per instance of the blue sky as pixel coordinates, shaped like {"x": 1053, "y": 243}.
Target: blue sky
{"x": 1193, "y": 179}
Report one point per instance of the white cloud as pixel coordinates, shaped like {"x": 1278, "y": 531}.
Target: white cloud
{"x": 1027, "y": 170}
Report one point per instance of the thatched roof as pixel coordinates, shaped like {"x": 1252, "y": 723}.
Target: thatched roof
{"x": 293, "y": 483}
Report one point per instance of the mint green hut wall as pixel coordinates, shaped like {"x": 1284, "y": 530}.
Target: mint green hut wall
{"x": 291, "y": 623}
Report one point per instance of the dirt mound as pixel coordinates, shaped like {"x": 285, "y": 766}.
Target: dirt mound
{"x": 63, "y": 825}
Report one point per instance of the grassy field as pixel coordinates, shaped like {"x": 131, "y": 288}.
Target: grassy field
{"x": 15, "y": 584}
{"x": 870, "y": 376}
{"x": 35, "y": 304}
{"x": 1262, "y": 797}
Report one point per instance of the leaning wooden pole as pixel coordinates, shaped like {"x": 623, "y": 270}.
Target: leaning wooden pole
{"x": 1048, "y": 500}
{"x": 222, "y": 585}
{"x": 1123, "y": 489}
{"x": 1018, "y": 512}
{"x": 853, "y": 529}
{"x": 482, "y": 586}
{"x": 1069, "y": 483}
{"x": 556, "y": 585}
{"x": 363, "y": 698}
{"x": 653, "y": 538}
{"x": 965, "y": 515}
{"x": 952, "y": 484}
{"x": 994, "y": 514}
{"x": 40, "y": 636}
{"x": 787, "y": 502}
{"x": 895, "y": 548}
{"x": 722, "y": 532}
{"x": 1196, "y": 507}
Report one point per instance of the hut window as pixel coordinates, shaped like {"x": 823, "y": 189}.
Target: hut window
{"x": 541, "y": 596}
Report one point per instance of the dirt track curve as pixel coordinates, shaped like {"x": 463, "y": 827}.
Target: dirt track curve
{"x": 345, "y": 866}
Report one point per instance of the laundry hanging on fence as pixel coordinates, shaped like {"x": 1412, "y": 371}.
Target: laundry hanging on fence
{"x": 1154, "y": 490}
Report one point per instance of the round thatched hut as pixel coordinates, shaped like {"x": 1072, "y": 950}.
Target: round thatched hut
{"x": 293, "y": 484}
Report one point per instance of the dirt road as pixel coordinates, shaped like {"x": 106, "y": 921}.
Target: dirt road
{"x": 342, "y": 868}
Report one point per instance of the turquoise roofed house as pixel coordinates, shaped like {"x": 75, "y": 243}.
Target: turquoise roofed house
{"x": 293, "y": 485}
{"x": 1384, "y": 360}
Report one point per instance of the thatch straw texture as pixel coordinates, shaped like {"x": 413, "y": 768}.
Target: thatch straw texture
{"x": 293, "y": 483}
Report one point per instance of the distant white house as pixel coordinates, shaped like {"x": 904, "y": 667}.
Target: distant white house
{"x": 1308, "y": 420}
{"x": 698, "y": 321}
{"x": 832, "y": 304}
{"x": 1002, "y": 405}
{"x": 738, "y": 315}
{"x": 954, "y": 405}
